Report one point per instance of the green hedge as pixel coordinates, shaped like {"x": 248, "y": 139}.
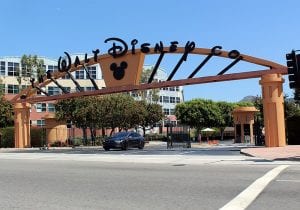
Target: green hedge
{"x": 8, "y": 137}
{"x": 38, "y": 137}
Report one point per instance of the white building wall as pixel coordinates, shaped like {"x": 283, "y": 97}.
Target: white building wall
{"x": 161, "y": 75}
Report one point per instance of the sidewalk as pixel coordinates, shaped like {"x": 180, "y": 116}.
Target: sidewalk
{"x": 290, "y": 152}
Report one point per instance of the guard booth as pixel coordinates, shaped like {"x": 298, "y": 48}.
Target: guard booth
{"x": 55, "y": 131}
{"x": 243, "y": 122}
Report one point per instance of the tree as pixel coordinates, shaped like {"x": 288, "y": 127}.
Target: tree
{"x": 291, "y": 108}
{"x": 199, "y": 113}
{"x": 148, "y": 95}
{"x": 6, "y": 112}
{"x": 31, "y": 67}
{"x": 79, "y": 111}
{"x": 152, "y": 114}
{"x": 226, "y": 114}
{"x": 111, "y": 111}
{"x": 121, "y": 111}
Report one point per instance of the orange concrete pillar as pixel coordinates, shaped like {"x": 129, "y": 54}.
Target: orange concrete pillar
{"x": 22, "y": 125}
{"x": 273, "y": 105}
{"x": 244, "y": 116}
{"x": 55, "y": 131}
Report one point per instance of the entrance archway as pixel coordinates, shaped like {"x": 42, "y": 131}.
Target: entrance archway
{"x": 122, "y": 69}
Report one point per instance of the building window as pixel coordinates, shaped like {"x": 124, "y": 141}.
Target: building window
{"x": 81, "y": 89}
{"x": 25, "y": 72}
{"x": 172, "y": 100}
{"x": 166, "y": 111}
{"x": 53, "y": 91}
{"x": 2, "y": 68}
{"x": 134, "y": 94}
{"x": 2, "y": 88}
{"x": 23, "y": 87}
{"x": 51, "y": 107}
{"x": 172, "y": 111}
{"x": 177, "y": 100}
{"x": 14, "y": 89}
{"x": 40, "y": 123}
{"x": 177, "y": 88}
{"x": 93, "y": 71}
{"x": 165, "y": 88}
{"x": 172, "y": 88}
{"x": 90, "y": 88}
{"x": 41, "y": 107}
{"x": 13, "y": 69}
{"x": 160, "y": 99}
{"x": 52, "y": 68}
{"x": 66, "y": 76}
{"x": 68, "y": 89}
{"x": 79, "y": 74}
{"x": 40, "y": 93}
{"x": 166, "y": 99}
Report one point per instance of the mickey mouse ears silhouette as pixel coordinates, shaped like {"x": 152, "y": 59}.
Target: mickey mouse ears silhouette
{"x": 124, "y": 70}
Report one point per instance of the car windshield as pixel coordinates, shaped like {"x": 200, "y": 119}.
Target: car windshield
{"x": 121, "y": 134}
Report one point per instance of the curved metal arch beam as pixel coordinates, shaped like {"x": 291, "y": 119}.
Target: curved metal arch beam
{"x": 224, "y": 54}
{"x": 180, "y": 50}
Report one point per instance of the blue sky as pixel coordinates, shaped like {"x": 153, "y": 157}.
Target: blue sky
{"x": 266, "y": 29}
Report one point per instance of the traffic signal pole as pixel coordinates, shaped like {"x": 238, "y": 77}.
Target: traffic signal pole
{"x": 293, "y": 64}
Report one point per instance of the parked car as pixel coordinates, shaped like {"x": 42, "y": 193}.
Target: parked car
{"x": 124, "y": 140}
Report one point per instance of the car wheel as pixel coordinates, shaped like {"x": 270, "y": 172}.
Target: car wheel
{"x": 106, "y": 148}
{"x": 125, "y": 146}
{"x": 141, "y": 146}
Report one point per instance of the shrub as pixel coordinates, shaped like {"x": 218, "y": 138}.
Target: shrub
{"x": 7, "y": 137}
{"x": 154, "y": 137}
{"x": 38, "y": 137}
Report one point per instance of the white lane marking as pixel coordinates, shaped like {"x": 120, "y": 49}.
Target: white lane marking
{"x": 287, "y": 180}
{"x": 245, "y": 198}
{"x": 187, "y": 152}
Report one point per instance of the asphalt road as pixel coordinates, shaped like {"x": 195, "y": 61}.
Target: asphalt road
{"x": 45, "y": 183}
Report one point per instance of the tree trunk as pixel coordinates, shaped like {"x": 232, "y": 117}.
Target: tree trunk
{"x": 144, "y": 131}
{"x": 111, "y": 132}
{"x": 222, "y": 134}
{"x": 84, "y": 136}
{"x": 92, "y": 130}
{"x": 103, "y": 131}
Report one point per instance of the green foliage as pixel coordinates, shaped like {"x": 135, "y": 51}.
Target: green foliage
{"x": 7, "y": 137}
{"x": 149, "y": 95}
{"x": 110, "y": 111}
{"x": 155, "y": 137}
{"x": 226, "y": 109}
{"x": 6, "y": 112}
{"x": 37, "y": 137}
{"x": 151, "y": 114}
{"x": 291, "y": 109}
{"x": 199, "y": 113}
{"x": 32, "y": 66}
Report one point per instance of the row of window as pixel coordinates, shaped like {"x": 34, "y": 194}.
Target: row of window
{"x": 44, "y": 107}
{"x": 169, "y": 111}
{"x": 169, "y": 99}
{"x": 82, "y": 74}
{"x": 50, "y": 107}
{"x": 15, "y": 89}
{"x": 38, "y": 123}
{"x": 171, "y": 88}
{"x": 13, "y": 69}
